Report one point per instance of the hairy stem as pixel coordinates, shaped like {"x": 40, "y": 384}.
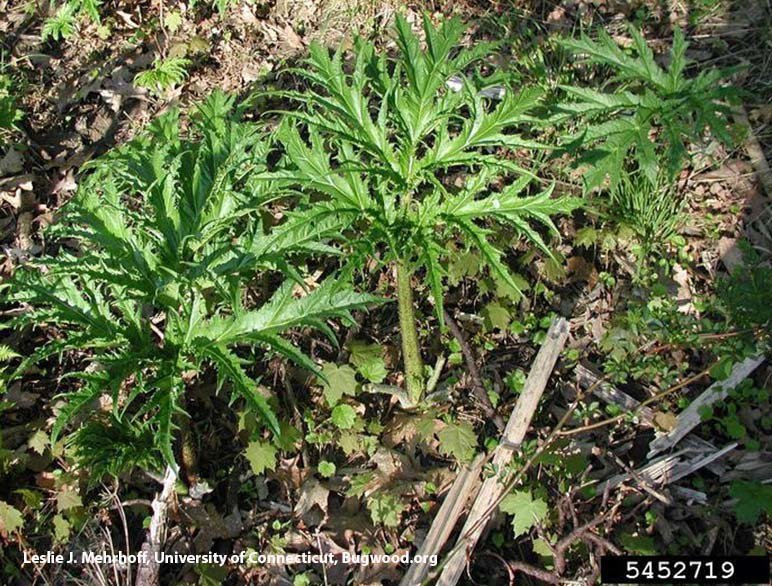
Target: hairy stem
{"x": 411, "y": 353}
{"x": 188, "y": 456}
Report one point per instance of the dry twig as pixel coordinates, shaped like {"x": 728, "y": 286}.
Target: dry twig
{"x": 477, "y": 385}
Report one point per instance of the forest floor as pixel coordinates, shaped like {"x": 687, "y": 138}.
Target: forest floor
{"x": 79, "y": 100}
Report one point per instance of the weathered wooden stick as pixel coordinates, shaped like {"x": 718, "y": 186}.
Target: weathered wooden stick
{"x": 755, "y": 152}
{"x": 445, "y": 519}
{"x": 517, "y": 426}
{"x": 690, "y": 417}
{"x": 147, "y": 574}
{"x": 477, "y": 385}
{"x": 672, "y": 468}
{"x": 692, "y": 466}
{"x": 752, "y": 466}
{"x": 689, "y": 494}
{"x": 587, "y": 379}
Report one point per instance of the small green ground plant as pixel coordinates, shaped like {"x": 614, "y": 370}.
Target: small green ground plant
{"x": 636, "y": 132}
{"x": 727, "y": 327}
{"x": 63, "y": 21}
{"x": 399, "y": 156}
{"x": 646, "y": 113}
{"x": 163, "y": 74}
{"x": 746, "y": 295}
{"x": 65, "y": 17}
{"x": 150, "y": 282}
{"x": 652, "y": 212}
{"x": 10, "y": 114}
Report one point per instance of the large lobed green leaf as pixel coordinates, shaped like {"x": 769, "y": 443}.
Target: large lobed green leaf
{"x": 166, "y": 235}
{"x": 377, "y": 136}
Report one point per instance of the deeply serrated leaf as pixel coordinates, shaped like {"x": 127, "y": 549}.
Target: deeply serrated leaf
{"x": 458, "y": 440}
{"x": 11, "y": 519}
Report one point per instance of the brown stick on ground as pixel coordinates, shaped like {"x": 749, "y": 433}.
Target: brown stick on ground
{"x": 518, "y": 425}
{"x": 445, "y": 519}
{"x": 587, "y": 378}
{"x": 477, "y": 385}
{"x": 755, "y": 152}
{"x": 147, "y": 574}
{"x": 690, "y": 417}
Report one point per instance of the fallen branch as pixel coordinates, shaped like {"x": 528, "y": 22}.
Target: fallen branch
{"x": 538, "y": 573}
{"x": 584, "y": 534}
{"x": 519, "y": 422}
{"x": 641, "y": 478}
{"x": 641, "y": 406}
{"x": 147, "y": 574}
{"x": 477, "y": 385}
{"x": 752, "y": 466}
{"x": 587, "y": 379}
{"x": 445, "y": 519}
{"x": 668, "y": 469}
{"x": 578, "y": 534}
{"x": 690, "y": 417}
{"x": 689, "y": 495}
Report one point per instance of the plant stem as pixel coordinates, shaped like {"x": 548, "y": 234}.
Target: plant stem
{"x": 411, "y": 354}
{"x": 187, "y": 448}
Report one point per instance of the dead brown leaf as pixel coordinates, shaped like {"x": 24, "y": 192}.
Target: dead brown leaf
{"x": 665, "y": 420}
{"x": 312, "y": 504}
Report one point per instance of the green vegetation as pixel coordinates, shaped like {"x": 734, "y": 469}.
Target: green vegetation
{"x": 746, "y": 293}
{"x": 65, "y": 17}
{"x": 10, "y": 114}
{"x": 155, "y": 290}
{"x": 643, "y": 98}
{"x": 635, "y": 130}
{"x": 163, "y": 74}
{"x": 63, "y": 23}
{"x": 284, "y": 318}
{"x": 382, "y": 141}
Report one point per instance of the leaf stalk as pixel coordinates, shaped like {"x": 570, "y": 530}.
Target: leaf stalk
{"x": 411, "y": 354}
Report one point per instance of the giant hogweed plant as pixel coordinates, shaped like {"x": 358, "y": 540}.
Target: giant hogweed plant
{"x": 152, "y": 291}
{"x": 374, "y": 146}
{"x": 643, "y": 112}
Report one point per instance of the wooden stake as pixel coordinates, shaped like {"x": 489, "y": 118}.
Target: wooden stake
{"x": 690, "y": 417}
{"x": 518, "y": 425}
{"x": 445, "y": 520}
{"x": 147, "y": 574}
